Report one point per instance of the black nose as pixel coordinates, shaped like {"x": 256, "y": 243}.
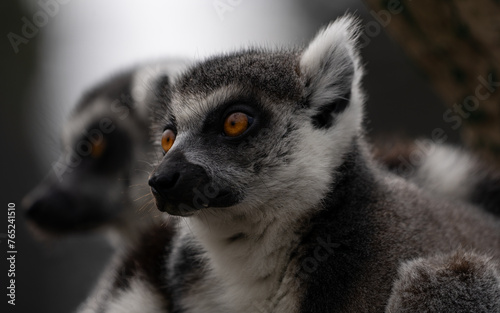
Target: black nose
{"x": 51, "y": 210}
{"x": 178, "y": 185}
{"x": 164, "y": 183}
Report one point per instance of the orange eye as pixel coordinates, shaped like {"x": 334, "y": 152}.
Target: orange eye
{"x": 98, "y": 148}
{"x": 167, "y": 139}
{"x": 236, "y": 124}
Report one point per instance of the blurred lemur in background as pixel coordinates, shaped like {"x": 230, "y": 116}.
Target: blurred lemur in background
{"x": 99, "y": 181}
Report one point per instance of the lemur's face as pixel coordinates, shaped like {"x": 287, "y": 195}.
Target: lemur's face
{"x": 228, "y": 129}
{"x": 89, "y": 184}
{"x": 254, "y": 129}
{"x": 106, "y": 149}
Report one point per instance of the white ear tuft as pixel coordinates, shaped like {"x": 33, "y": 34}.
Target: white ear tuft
{"x": 336, "y": 41}
{"x": 331, "y": 69}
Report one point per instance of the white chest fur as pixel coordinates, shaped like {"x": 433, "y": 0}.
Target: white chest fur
{"x": 249, "y": 265}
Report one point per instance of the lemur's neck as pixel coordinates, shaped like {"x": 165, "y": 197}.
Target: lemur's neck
{"x": 249, "y": 257}
{"x": 250, "y": 254}
{"x": 128, "y": 229}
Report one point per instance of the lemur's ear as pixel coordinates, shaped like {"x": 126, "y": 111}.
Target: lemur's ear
{"x": 330, "y": 67}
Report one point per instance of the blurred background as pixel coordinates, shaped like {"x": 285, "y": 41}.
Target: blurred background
{"x": 45, "y": 69}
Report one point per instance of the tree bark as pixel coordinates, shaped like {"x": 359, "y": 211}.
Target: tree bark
{"x": 456, "y": 43}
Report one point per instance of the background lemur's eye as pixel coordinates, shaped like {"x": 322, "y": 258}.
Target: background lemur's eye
{"x": 236, "y": 124}
{"x": 98, "y": 148}
{"x": 167, "y": 139}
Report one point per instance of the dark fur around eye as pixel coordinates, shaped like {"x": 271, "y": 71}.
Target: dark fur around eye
{"x": 258, "y": 118}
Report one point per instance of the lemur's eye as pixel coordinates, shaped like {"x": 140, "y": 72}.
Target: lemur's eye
{"x": 167, "y": 139}
{"x": 98, "y": 148}
{"x": 236, "y": 124}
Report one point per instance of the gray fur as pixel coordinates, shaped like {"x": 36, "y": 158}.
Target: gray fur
{"x": 458, "y": 282}
{"x": 444, "y": 171}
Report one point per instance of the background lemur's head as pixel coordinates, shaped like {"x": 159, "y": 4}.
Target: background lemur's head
{"x": 259, "y": 127}
{"x": 106, "y": 150}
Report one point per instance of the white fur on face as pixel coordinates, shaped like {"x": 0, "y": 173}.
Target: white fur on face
{"x": 255, "y": 270}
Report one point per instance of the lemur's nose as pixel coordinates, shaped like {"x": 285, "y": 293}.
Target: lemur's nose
{"x": 50, "y": 209}
{"x": 177, "y": 181}
{"x": 163, "y": 183}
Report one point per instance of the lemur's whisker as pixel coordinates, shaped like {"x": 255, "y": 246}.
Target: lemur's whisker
{"x": 146, "y": 205}
{"x": 143, "y": 196}
{"x": 140, "y": 185}
{"x": 141, "y": 170}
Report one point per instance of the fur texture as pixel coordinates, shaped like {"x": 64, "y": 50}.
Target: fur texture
{"x": 457, "y": 282}
{"x": 442, "y": 170}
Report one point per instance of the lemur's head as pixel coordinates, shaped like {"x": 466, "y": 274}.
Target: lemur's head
{"x": 259, "y": 129}
{"x": 106, "y": 144}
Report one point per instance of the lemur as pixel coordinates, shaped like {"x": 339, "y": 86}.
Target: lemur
{"x": 281, "y": 206}
{"x": 105, "y": 188}
{"x": 99, "y": 180}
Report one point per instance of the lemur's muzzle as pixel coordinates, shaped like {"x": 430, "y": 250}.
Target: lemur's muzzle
{"x": 55, "y": 210}
{"x": 180, "y": 187}
{"x": 48, "y": 208}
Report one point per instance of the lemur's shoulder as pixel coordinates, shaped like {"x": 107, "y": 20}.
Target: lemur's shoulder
{"x": 371, "y": 222}
{"x": 136, "y": 278}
